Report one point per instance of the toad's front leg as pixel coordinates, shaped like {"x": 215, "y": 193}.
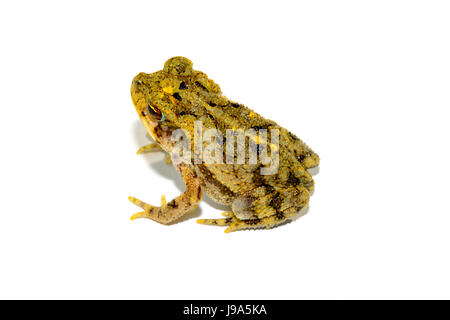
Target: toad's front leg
{"x": 151, "y": 147}
{"x": 174, "y": 209}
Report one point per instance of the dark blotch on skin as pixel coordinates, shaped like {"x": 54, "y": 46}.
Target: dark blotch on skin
{"x": 172, "y": 204}
{"x": 198, "y": 84}
{"x": 257, "y": 178}
{"x": 279, "y": 215}
{"x": 269, "y": 189}
{"x": 292, "y": 136}
{"x": 143, "y": 113}
{"x": 276, "y": 201}
{"x": 252, "y": 221}
{"x": 303, "y": 156}
{"x": 182, "y": 113}
{"x": 183, "y": 86}
{"x": 212, "y": 104}
{"x": 293, "y": 180}
{"x": 177, "y": 96}
{"x": 235, "y": 105}
{"x": 161, "y": 131}
{"x": 265, "y": 126}
{"x": 228, "y": 220}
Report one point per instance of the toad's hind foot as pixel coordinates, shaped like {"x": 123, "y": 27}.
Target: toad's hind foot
{"x": 219, "y": 222}
{"x": 235, "y": 224}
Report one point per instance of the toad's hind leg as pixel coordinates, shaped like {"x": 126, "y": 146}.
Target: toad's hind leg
{"x": 235, "y": 224}
{"x": 260, "y": 209}
{"x": 174, "y": 209}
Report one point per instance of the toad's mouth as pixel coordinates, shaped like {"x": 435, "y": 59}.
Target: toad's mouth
{"x": 149, "y": 125}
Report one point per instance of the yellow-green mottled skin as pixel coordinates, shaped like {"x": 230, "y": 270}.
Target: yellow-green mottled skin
{"x": 183, "y": 96}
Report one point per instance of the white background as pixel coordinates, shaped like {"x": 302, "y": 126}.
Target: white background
{"x": 364, "y": 83}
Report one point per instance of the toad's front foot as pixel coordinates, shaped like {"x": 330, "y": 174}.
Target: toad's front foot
{"x": 153, "y": 146}
{"x": 174, "y": 209}
{"x": 148, "y": 148}
{"x": 147, "y": 208}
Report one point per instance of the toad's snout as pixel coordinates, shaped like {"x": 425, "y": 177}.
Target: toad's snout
{"x": 137, "y": 81}
{"x": 136, "y": 84}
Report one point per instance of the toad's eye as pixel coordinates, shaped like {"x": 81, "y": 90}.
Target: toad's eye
{"x": 155, "y": 113}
